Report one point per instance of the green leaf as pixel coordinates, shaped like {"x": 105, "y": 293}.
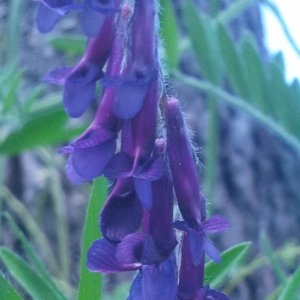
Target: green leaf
{"x": 7, "y": 292}
{"x": 232, "y": 61}
{"x": 169, "y": 32}
{"x": 254, "y": 72}
{"x": 70, "y": 45}
{"x": 36, "y": 286}
{"x": 31, "y": 254}
{"x": 291, "y": 288}
{"x": 46, "y": 126}
{"x": 90, "y": 284}
{"x": 202, "y": 33}
{"x": 216, "y": 273}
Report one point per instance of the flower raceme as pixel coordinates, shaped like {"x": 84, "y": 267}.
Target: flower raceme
{"x": 139, "y": 142}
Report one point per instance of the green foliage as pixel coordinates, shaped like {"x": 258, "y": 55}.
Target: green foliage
{"x": 215, "y": 274}
{"x": 34, "y": 285}
{"x": 169, "y": 33}
{"x": 90, "y": 284}
{"x": 7, "y": 292}
{"x": 71, "y": 45}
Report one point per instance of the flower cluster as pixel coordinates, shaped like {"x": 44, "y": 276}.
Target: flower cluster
{"x": 138, "y": 140}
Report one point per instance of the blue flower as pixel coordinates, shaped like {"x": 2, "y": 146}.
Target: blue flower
{"x": 50, "y": 12}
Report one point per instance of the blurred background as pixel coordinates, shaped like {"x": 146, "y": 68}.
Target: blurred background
{"x": 242, "y": 104}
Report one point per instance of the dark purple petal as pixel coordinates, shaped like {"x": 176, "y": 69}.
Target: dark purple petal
{"x": 144, "y": 192}
{"x": 93, "y": 137}
{"x": 152, "y": 170}
{"x": 79, "y": 89}
{"x": 130, "y": 249}
{"x": 211, "y": 251}
{"x": 159, "y": 282}
{"x": 122, "y": 212}
{"x": 101, "y": 257}
{"x": 46, "y": 18}
{"x": 207, "y": 293}
{"x": 196, "y": 245}
{"x": 190, "y": 201}
{"x": 102, "y": 6}
{"x": 120, "y": 166}
{"x": 143, "y": 48}
{"x": 136, "y": 292}
{"x": 92, "y": 22}
{"x": 58, "y": 75}
{"x": 161, "y": 216}
{"x": 72, "y": 173}
{"x": 215, "y": 224}
{"x": 90, "y": 163}
{"x": 129, "y": 100}
{"x": 191, "y": 276}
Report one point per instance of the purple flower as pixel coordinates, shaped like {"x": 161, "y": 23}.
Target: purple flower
{"x": 90, "y": 154}
{"x": 157, "y": 241}
{"x": 198, "y": 240}
{"x": 50, "y": 11}
{"x": 95, "y": 13}
{"x": 190, "y": 201}
{"x": 191, "y": 276}
{"x": 101, "y": 257}
{"x": 157, "y": 282}
{"x": 141, "y": 67}
{"x": 122, "y": 213}
{"x": 80, "y": 82}
{"x": 140, "y": 157}
{"x": 120, "y": 219}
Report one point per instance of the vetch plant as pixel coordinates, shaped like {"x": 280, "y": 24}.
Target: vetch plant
{"x": 139, "y": 141}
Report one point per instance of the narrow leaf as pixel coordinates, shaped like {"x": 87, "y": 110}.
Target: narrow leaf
{"x": 7, "y": 291}
{"x": 37, "y": 287}
{"x": 201, "y": 31}
{"x": 46, "y": 127}
{"x": 90, "y": 284}
{"x": 216, "y": 273}
{"x": 31, "y": 254}
{"x": 291, "y": 290}
{"x": 70, "y": 45}
{"x": 169, "y": 32}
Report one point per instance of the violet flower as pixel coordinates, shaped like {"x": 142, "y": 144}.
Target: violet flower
{"x": 140, "y": 158}
{"x": 191, "y": 277}
{"x": 133, "y": 83}
{"x": 49, "y": 12}
{"x": 157, "y": 282}
{"x": 190, "y": 201}
{"x": 95, "y": 13}
{"x": 80, "y": 82}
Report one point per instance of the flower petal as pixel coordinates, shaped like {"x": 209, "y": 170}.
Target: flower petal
{"x": 129, "y": 100}
{"x": 211, "y": 251}
{"x": 101, "y": 257}
{"x": 122, "y": 213}
{"x": 144, "y": 191}
{"x": 58, "y": 75}
{"x": 79, "y": 89}
{"x": 215, "y": 224}
{"x": 90, "y": 163}
{"x": 91, "y": 22}
{"x": 120, "y": 166}
{"x": 46, "y": 18}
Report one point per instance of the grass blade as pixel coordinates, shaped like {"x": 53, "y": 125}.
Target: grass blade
{"x": 90, "y": 284}
{"x": 36, "y": 286}
{"x": 7, "y": 292}
{"x": 215, "y": 273}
